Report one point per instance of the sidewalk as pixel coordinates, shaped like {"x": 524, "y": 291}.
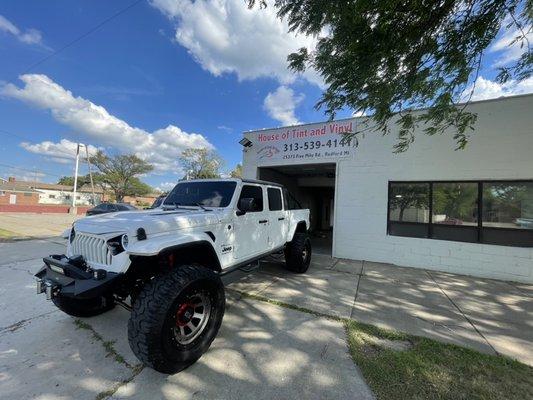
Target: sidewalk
{"x": 487, "y": 315}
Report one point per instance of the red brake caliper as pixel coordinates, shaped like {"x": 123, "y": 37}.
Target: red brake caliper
{"x": 184, "y": 314}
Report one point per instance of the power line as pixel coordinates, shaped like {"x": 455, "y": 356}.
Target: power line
{"x": 33, "y": 171}
{"x": 4, "y": 132}
{"x": 81, "y": 37}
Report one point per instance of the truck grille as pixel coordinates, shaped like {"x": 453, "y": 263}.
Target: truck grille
{"x": 92, "y": 248}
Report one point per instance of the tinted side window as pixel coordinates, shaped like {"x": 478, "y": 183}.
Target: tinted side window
{"x": 291, "y": 202}
{"x": 274, "y": 199}
{"x": 255, "y": 192}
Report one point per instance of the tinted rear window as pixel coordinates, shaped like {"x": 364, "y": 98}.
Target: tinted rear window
{"x": 274, "y": 199}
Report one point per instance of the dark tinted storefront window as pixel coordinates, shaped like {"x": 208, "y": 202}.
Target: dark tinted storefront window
{"x": 409, "y": 202}
{"x": 508, "y": 205}
{"x": 455, "y": 203}
{"x": 451, "y": 211}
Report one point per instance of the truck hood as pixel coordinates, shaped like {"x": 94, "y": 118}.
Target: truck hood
{"x": 153, "y": 221}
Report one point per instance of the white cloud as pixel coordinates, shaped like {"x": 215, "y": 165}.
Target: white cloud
{"x": 510, "y": 52}
{"x": 224, "y": 36}
{"x": 63, "y": 152}
{"x": 487, "y": 89}
{"x": 20, "y": 175}
{"x": 161, "y": 148}
{"x": 281, "y": 104}
{"x": 165, "y": 186}
{"x": 225, "y": 128}
{"x": 30, "y": 36}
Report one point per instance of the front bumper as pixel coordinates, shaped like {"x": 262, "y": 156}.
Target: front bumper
{"x": 73, "y": 278}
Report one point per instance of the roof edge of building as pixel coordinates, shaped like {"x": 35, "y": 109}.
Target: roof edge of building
{"x": 501, "y": 98}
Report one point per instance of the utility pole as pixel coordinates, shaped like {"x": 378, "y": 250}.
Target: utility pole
{"x": 90, "y": 173}
{"x": 73, "y": 209}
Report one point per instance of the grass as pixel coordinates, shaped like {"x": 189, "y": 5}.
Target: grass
{"x": 7, "y": 234}
{"x": 429, "y": 369}
{"x": 402, "y": 366}
{"x": 107, "y": 344}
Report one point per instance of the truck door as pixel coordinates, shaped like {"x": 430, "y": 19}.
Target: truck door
{"x": 251, "y": 228}
{"x": 277, "y": 229}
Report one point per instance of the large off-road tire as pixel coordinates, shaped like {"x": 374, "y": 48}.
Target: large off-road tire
{"x": 84, "y": 307}
{"x": 175, "y": 318}
{"x": 298, "y": 253}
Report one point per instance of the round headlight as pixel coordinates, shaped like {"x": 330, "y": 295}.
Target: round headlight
{"x": 72, "y": 235}
{"x": 125, "y": 241}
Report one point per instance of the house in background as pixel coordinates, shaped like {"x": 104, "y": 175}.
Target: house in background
{"x": 39, "y": 193}
{"x": 12, "y": 192}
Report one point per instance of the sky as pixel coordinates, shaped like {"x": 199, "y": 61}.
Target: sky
{"x": 160, "y": 77}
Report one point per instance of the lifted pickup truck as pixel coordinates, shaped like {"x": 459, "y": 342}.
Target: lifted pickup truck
{"x": 168, "y": 261}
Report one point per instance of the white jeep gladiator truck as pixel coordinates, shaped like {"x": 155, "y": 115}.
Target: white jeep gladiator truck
{"x": 164, "y": 265}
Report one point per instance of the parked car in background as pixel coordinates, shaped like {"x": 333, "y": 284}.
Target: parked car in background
{"x": 105, "y": 208}
{"x": 159, "y": 201}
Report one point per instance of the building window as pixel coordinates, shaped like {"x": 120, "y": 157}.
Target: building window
{"x": 493, "y": 212}
{"x": 2, "y": 193}
{"x": 409, "y": 209}
{"x": 51, "y": 196}
{"x": 274, "y": 199}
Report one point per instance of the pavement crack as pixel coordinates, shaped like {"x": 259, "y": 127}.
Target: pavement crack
{"x": 360, "y": 276}
{"x": 137, "y": 369}
{"x": 462, "y": 313}
{"x": 108, "y": 345}
{"x": 17, "y": 325}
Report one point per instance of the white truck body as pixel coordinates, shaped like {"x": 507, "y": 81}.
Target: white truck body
{"x": 234, "y": 238}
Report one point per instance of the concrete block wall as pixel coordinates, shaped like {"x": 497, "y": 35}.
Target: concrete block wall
{"x": 501, "y": 148}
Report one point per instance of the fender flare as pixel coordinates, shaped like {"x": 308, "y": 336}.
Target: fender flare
{"x": 300, "y": 226}
{"x": 170, "y": 243}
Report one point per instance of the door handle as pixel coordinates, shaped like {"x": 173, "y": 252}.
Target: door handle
{"x": 281, "y": 218}
{"x": 263, "y": 221}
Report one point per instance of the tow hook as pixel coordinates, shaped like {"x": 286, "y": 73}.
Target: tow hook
{"x": 46, "y": 287}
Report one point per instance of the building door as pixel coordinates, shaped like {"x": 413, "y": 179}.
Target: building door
{"x": 12, "y": 199}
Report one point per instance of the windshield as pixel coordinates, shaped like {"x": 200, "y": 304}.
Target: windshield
{"x": 207, "y": 194}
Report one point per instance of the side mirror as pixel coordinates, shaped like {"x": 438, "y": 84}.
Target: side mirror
{"x": 246, "y": 204}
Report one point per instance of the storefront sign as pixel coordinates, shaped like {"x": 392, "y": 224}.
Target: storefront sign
{"x": 316, "y": 142}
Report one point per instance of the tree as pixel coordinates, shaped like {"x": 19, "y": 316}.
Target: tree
{"x": 120, "y": 173}
{"x": 82, "y": 180}
{"x": 201, "y": 164}
{"x": 409, "y": 196}
{"x": 237, "y": 171}
{"x": 385, "y": 57}
{"x": 455, "y": 200}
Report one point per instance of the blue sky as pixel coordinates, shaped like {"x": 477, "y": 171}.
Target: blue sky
{"x": 163, "y": 76}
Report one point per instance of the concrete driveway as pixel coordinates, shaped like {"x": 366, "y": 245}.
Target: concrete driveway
{"x": 263, "y": 351}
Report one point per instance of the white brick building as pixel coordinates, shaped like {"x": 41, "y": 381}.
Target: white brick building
{"x": 468, "y": 211}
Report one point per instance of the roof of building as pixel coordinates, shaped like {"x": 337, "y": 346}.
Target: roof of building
{"x": 15, "y": 187}
{"x": 32, "y": 185}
